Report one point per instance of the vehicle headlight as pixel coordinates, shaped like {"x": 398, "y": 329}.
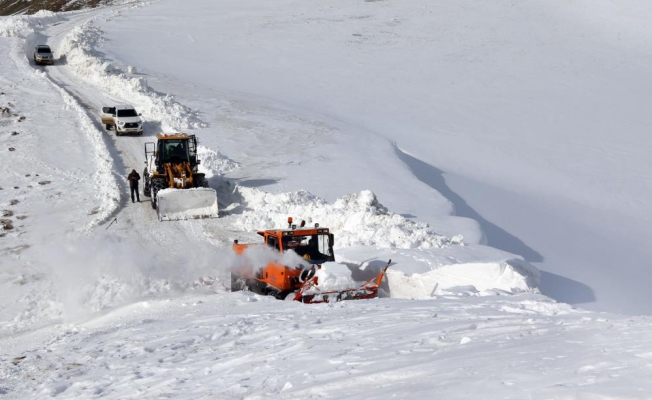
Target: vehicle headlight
{"x": 121, "y": 123}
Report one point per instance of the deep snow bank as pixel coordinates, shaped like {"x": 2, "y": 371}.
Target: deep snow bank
{"x": 105, "y": 181}
{"x": 511, "y": 276}
{"x": 424, "y": 273}
{"x": 80, "y": 48}
{"x": 367, "y": 235}
{"x": 21, "y": 26}
{"x": 358, "y": 219}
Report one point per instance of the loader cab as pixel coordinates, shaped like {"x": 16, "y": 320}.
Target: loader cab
{"x": 314, "y": 245}
{"x": 173, "y": 150}
{"x": 273, "y": 242}
{"x": 176, "y": 148}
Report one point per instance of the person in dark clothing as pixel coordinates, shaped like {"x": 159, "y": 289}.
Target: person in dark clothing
{"x": 133, "y": 184}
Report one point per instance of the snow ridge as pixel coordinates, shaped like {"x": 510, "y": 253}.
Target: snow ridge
{"x": 214, "y": 163}
{"x": 359, "y": 219}
{"x": 108, "y": 189}
{"x": 79, "y": 48}
{"x": 21, "y": 26}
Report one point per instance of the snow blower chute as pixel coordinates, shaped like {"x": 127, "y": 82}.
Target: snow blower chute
{"x": 316, "y": 278}
{"x": 172, "y": 181}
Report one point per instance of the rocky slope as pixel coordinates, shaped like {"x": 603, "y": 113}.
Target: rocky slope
{"x": 10, "y": 7}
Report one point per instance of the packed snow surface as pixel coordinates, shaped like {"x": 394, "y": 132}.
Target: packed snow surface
{"x": 236, "y": 346}
{"x": 414, "y": 131}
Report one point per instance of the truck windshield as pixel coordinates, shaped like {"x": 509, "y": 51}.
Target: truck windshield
{"x": 314, "y": 248}
{"x": 127, "y": 113}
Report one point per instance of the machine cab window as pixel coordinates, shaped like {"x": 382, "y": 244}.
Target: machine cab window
{"x": 272, "y": 242}
{"x": 314, "y": 248}
{"x": 177, "y": 150}
{"x": 172, "y": 151}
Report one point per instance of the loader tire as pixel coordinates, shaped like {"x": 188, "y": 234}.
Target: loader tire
{"x": 146, "y": 187}
{"x": 157, "y": 184}
{"x": 107, "y": 126}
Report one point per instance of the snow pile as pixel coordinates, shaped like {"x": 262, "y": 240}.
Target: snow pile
{"x": 21, "y": 26}
{"x": 358, "y": 219}
{"x": 510, "y": 276}
{"x": 106, "y": 184}
{"x": 215, "y": 163}
{"x": 80, "y": 50}
{"x": 335, "y": 276}
{"x": 428, "y": 263}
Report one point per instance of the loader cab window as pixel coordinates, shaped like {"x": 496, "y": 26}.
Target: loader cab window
{"x": 292, "y": 243}
{"x": 315, "y": 248}
{"x": 172, "y": 151}
{"x": 272, "y": 242}
{"x": 325, "y": 247}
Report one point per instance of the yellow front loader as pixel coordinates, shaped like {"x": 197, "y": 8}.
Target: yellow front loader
{"x": 172, "y": 181}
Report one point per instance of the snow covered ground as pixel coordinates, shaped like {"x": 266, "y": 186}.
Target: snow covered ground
{"x": 529, "y": 118}
{"x": 400, "y": 127}
{"x": 242, "y": 346}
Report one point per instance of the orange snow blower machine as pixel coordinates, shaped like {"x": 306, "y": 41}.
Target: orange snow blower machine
{"x": 300, "y": 283}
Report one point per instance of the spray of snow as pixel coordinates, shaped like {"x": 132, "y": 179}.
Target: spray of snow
{"x": 88, "y": 275}
{"x": 257, "y": 256}
{"x": 80, "y": 50}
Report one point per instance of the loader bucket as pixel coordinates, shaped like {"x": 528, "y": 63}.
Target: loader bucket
{"x": 179, "y": 204}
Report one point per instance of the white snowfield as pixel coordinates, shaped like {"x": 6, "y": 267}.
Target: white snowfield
{"x": 334, "y": 114}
